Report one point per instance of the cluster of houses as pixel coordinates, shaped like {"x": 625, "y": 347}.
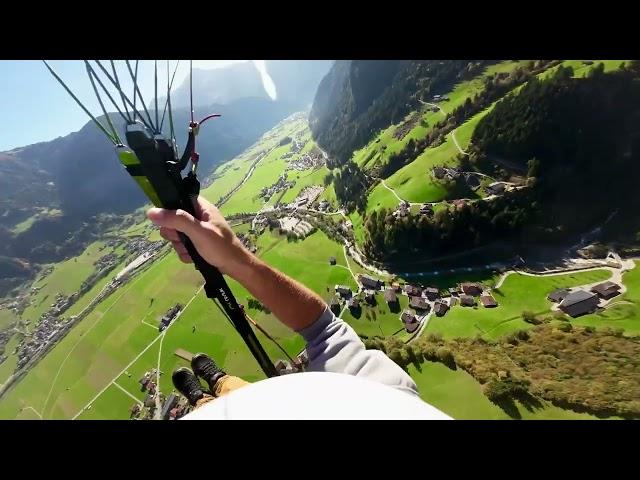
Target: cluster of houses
{"x": 49, "y": 329}
{"x": 173, "y": 407}
{"x": 370, "y": 287}
{"x": 472, "y": 179}
{"x": 107, "y": 261}
{"x": 147, "y": 384}
{"x": 5, "y": 336}
{"x": 305, "y": 162}
{"x": 169, "y": 317}
{"x": 422, "y": 300}
{"x": 281, "y": 184}
{"x": 139, "y": 245}
{"x": 576, "y": 302}
{"x": 404, "y": 209}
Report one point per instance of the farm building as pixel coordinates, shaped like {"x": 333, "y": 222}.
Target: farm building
{"x": 471, "y": 289}
{"x": 410, "y": 321}
{"x": 488, "y": 301}
{"x": 606, "y": 290}
{"x": 579, "y": 303}
{"x": 284, "y": 367}
{"x": 426, "y": 209}
{"x": 473, "y": 181}
{"x": 419, "y": 303}
{"x": 412, "y": 291}
{"x": 343, "y": 290}
{"x": 432, "y": 293}
{"x": 467, "y": 301}
{"x": 440, "y": 308}
{"x": 369, "y": 282}
{"x": 558, "y": 295}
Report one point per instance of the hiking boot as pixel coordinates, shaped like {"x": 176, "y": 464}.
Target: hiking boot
{"x": 204, "y": 367}
{"x": 187, "y": 384}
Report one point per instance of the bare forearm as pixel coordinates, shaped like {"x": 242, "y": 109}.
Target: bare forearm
{"x": 291, "y": 302}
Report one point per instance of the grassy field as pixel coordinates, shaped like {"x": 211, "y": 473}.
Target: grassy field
{"x": 298, "y": 258}
{"x": 377, "y": 320}
{"x": 93, "y": 353}
{"x": 457, "y": 393}
{"x": 517, "y": 294}
{"x": 358, "y": 226}
{"x": 104, "y": 342}
{"x": 214, "y": 335}
{"x": 580, "y": 69}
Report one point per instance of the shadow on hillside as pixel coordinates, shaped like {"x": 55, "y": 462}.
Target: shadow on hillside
{"x": 509, "y": 407}
{"x": 528, "y": 401}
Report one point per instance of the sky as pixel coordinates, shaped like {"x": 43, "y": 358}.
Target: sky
{"x": 34, "y": 107}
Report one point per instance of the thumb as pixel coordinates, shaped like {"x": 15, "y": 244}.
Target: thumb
{"x": 175, "y": 219}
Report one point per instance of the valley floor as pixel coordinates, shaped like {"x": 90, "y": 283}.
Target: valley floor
{"x": 94, "y": 371}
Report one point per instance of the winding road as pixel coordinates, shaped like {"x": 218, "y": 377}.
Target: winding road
{"x": 453, "y": 132}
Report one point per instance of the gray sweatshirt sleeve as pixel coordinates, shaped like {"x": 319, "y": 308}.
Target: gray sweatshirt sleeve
{"x": 333, "y": 346}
